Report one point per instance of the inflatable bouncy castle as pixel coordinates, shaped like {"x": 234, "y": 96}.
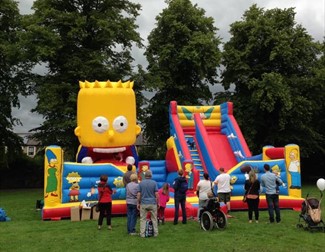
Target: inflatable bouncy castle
{"x": 202, "y": 139}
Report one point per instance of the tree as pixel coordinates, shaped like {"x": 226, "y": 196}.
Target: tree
{"x": 270, "y": 60}
{"x": 183, "y": 55}
{"x": 13, "y": 69}
{"x": 76, "y": 40}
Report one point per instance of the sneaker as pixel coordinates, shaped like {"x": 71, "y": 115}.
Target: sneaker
{"x": 250, "y": 221}
{"x": 132, "y": 234}
{"x": 256, "y": 221}
{"x": 99, "y": 227}
{"x": 109, "y": 227}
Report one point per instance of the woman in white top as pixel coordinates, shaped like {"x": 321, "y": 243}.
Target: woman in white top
{"x": 204, "y": 192}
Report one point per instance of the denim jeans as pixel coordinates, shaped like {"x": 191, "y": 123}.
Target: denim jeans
{"x": 273, "y": 205}
{"x": 132, "y": 214}
{"x": 181, "y": 201}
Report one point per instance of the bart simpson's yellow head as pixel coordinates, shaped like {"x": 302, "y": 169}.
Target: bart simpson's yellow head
{"x": 145, "y": 168}
{"x": 106, "y": 114}
{"x": 276, "y": 169}
{"x": 188, "y": 167}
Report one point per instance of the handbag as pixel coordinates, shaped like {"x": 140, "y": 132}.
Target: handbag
{"x": 246, "y": 194}
{"x": 251, "y": 196}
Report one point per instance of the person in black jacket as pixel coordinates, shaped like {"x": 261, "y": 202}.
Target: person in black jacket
{"x": 180, "y": 188}
{"x": 252, "y": 187}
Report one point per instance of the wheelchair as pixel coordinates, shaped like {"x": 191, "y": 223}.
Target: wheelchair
{"x": 212, "y": 217}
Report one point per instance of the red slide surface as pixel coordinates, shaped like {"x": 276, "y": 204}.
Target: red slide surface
{"x": 222, "y": 150}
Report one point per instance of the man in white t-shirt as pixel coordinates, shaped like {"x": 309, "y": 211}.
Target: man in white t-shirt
{"x": 223, "y": 183}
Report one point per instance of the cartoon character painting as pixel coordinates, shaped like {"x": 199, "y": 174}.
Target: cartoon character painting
{"x": 189, "y": 174}
{"x": 294, "y": 169}
{"x": 106, "y": 134}
{"x": 51, "y": 181}
{"x": 74, "y": 179}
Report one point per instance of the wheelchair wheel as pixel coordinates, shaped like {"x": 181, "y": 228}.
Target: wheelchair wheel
{"x": 207, "y": 222}
{"x": 220, "y": 219}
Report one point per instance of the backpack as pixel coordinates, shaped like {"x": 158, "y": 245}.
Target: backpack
{"x": 149, "y": 228}
{"x": 183, "y": 187}
{"x": 3, "y": 216}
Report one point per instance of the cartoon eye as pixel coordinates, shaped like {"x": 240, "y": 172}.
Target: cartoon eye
{"x": 100, "y": 124}
{"x": 120, "y": 124}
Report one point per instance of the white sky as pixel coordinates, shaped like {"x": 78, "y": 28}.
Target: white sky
{"x": 309, "y": 13}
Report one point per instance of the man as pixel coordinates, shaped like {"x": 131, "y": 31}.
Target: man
{"x": 180, "y": 187}
{"x": 127, "y": 175}
{"x": 148, "y": 201}
{"x": 224, "y": 189}
{"x": 269, "y": 180}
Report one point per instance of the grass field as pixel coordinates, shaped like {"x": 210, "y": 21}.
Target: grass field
{"x": 27, "y": 232}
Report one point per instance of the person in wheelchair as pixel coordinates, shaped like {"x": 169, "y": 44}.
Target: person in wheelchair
{"x": 211, "y": 216}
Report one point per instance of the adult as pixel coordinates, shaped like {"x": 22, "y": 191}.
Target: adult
{"x": 224, "y": 189}
{"x": 148, "y": 201}
{"x": 204, "y": 192}
{"x": 104, "y": 202}
{"x": 131, "y": 204}
{"x": 127, "y": 175}
{"x": 252, "y": 187}
{"x": 180, "y": 188}
{"x": 269, "y": 180}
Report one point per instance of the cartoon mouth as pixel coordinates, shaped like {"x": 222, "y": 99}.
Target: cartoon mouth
{"x": 109, "y": 150}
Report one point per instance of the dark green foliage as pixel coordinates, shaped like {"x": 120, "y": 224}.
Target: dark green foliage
{"x": 270, "y": 60}
{"x": 183, "y": 56}
{"x": 13, "y": 73}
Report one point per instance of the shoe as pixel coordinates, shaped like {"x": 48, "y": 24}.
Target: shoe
{"x": 133, "y": 234}
{"x": 229, "y": 216}
{"x": 256, "y": 221}
{"x": 250, "y": 221}
{"x": 109, "y": 227}
{"x": 184, "y": 222}
{"x": 175, "y": 223}
{"x": 99, "y": 227}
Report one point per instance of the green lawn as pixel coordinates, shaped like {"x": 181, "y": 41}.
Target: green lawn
{"x": 27, "y": 232}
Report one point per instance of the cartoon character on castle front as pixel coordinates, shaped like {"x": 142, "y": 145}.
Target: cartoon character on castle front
{"x": 294, "y": 170}
{"x": 108, "y": 131}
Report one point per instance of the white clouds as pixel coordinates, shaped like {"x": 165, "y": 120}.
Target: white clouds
{"x": 309, "y": 13}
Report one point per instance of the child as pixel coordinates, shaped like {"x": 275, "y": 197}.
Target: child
{"x": 163, "y": 199}
{"x": 104, "y": 202}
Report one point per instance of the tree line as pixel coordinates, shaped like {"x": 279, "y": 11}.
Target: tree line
{"x": 271, "y": 69}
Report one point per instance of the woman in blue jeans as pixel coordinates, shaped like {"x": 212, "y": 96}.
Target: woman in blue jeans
{"x": 180, "y": 187}
{"x": 131, "y": 204}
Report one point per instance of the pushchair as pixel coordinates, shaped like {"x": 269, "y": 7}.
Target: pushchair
{"x": 212, "y": 217}
{"x": 311, "y": 214}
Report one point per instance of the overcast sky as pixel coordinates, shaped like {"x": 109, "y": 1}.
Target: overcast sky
{"x": 309, "y": 13}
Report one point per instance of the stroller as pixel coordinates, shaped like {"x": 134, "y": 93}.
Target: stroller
{"x": 311, "y": 214}
{"x": 212, "y": 217}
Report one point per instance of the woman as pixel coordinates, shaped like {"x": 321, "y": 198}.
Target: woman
{"x": 131, "y": 204}
{"x": 104, "y": 202}
{"x": 252, "y": 187}
{"x": 204, "y": 192}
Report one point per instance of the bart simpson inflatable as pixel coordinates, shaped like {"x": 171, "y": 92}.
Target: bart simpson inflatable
{"x": 106, "y": 118}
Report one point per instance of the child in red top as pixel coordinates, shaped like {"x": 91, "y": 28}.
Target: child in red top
{"x": 104, "y": 202}
{"x": 163, "y": 199}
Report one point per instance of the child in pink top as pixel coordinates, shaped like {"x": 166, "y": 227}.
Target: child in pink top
{"x": 163, "y": 199}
